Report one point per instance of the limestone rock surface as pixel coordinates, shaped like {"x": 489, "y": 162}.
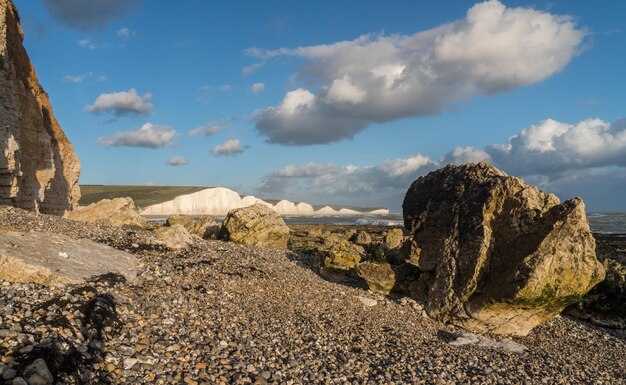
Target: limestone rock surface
{"x": 380, "y": 277}
{"x": 116, "y": 212}
{"x": 256, "y": 225}
{"x": 174, "y": 237}
{"x": 39, "y": 169}
{"x": 52, "y": 259}
{"x": 204, "y": 227}
{"x": 495, "y": 254}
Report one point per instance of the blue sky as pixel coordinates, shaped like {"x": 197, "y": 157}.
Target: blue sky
{"x": 280, "y": 108}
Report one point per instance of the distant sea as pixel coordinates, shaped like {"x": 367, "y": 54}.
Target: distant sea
{"x": 600, "y": 222}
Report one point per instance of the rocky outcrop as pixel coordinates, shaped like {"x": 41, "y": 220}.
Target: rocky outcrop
{"x": 174, "y": 237}
{"x": 53, "y": 259}
{"x": 205, "y": 227}
{"x": 118, "y": 212}
{"x": 380, "y": 277}
{"x": 256, "y": 225}
{"x": 361, "y": 238}
{"x": 39, "y": 169}
{"x": 342, "y": 255}
{"x": 495, "y": 254}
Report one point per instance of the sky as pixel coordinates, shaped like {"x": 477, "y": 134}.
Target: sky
{"x": 339, "y": 101}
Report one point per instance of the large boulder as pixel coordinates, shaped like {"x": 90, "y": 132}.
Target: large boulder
{"x": 118, "y": 212}
{"x": 54, "y": 259}
{"x": 38, "y": 166}
{"x": 205, "y": 227}
{"x": 342, "y": 255}
{"x": 380, "y": 277}
{"x": 256, "y": 225}
{"x": 174, "y": 237}
{"x": 495, "y": 254}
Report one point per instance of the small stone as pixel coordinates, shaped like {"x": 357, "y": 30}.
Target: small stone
{"x": 369, "y": 302}
{"x": 19, "y": 381}
{"x": 9, "y": 374}
{"x": 129, "y": 363}
{"x": 37, "y": 373}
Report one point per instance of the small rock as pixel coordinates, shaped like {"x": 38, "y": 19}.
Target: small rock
{"x": 37, "y": 373}
{"x": 369, "y": 302}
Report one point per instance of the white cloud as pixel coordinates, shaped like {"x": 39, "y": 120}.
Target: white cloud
{"x": 229, "y": 148}
{"x": 378, "y": 78}
{"x": 257, "y": 87}
{"x": 149, "y": 136}
{"x": 252, "y": 68}
{"x": 208, "y": 129}
{"x": 126, "y": 33}
{"x": 587, "y": 158}
{"x": 177, "y": 161}
{"x": 86, "y": 43}
{"x": 124, "y": 103}
{"x": 77, "y": 78}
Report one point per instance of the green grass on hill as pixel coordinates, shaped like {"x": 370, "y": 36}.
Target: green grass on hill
{"x": 143, "y": 196}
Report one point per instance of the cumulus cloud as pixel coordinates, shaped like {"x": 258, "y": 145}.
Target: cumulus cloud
{"x": 586, "y": 158}
{"x": 177, "y": 161}
{"x": 124, "y": 103}
{"x": 208, "y": 129}
{"x": 257, "y": 87}
{"x": 77, "y": 78}
{"x": 88, "y": 15}
{"x": 378, "y": 78}
{"x": 148, "y": 136}
{"x": 229, "y": 148}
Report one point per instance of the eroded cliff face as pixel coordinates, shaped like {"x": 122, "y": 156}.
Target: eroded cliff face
{"x": 39, "y": 169}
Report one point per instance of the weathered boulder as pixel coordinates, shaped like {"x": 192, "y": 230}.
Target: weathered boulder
{"x": 394, "y": 239}
{"x": 118, "y": 212}
{"x": 342, "y": 255}
{"x": 256, "y": 225}
{"x": 53, "y": 259}
{"x": 380, "y": 277}
{"x": 605, "y": 304}
{"x": 39, "y": 169}
{"x": 361, "y": 238}
{"x": 174, "y": 237}
{"x": 204, "y": 227}
{"x": 495, "y": 254}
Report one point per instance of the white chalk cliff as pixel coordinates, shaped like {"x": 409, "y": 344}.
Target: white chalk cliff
{"x": 220, "y": 200}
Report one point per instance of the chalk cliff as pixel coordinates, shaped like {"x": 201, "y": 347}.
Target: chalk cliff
{"x": 38, "y": 166}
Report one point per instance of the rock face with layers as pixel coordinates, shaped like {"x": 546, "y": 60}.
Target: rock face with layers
{"x": 118, "y": 212}
{"x": 495, "y": 254}
{"x": 39, "y": 169}
{"x": 256, "y": 225}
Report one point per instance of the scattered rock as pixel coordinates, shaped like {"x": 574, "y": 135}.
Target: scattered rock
{"x": 362, "y": 238}
{"x": 39, "y": 168}
{"x": 496, "y": 254}
{"x": 314, "y": 233}
{"x": 118, "y": 212}
{"x": 37, "y": 373}
{"x": 394, "y": 239}
{"x": 174, "y": 237}
{"x": 53, "y": 259}
{"x": 504, "y": 344}
{"x": 369, "y": 302}
{"x": 256, "y": 225}
{"x": 380, "y": 278}
{"x": 342, "y": 255}
{"x": 205, "y": 227}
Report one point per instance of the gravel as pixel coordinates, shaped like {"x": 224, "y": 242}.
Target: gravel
{"x": 222, "y": 313}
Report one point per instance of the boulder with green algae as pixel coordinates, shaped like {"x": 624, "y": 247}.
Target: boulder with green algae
{"x": 605, "y": 304}
{"x": 342, "y": 255}
{"x": 380, "y": 277}
{"x": 495, "y": 254}
{"x": 205, "y": 227}
{"x": 256, "y": 225}
{"x": 394, "y": 239}
{"x": 361, "y": 238}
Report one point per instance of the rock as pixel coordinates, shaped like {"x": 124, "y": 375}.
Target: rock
{"x": 37, "y": 373}
{"x": 496, "y": 254}
{"x": 118, "y": 212}
{"x": 205, "y": 227}
{"x": 342, "y": 255}
{"x": 314, "y": 232}
{"x": 605, "y": 304}
{"x": 482, "y": 341}
{"x": 380, "y": 278}
{"x": 369, "y": 302}
{"x": 394, "y": 239}
{"x": 38, "y": 167}
{"x": 52, "y": 259}
{"x": 362, "y": 238}
{"x": 256, "y": 225}
{"x": 174, "y": 237}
